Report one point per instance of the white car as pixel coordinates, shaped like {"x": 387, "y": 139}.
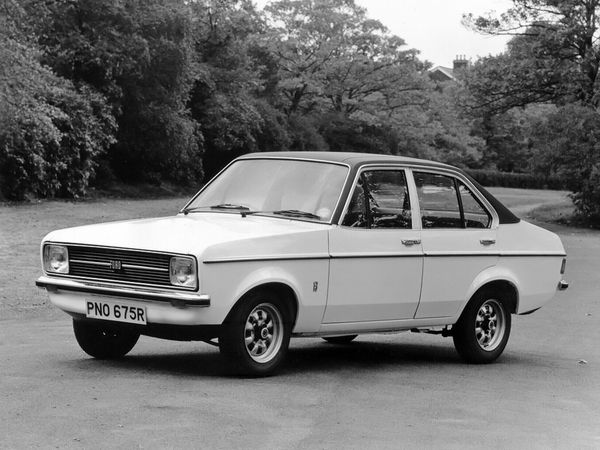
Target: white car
{"x": 308, "y": 244}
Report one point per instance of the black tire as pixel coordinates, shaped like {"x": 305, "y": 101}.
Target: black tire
{"x": 256, "y": 335}
{"x": 481, "y": 333}
{"x": 104, "y": 341}
{"x": 341, "y": 339}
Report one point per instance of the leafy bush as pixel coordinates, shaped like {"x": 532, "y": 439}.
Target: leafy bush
{"x": 140, "y": 56}
{"x": 568, "y": 143}
{"x": 517, "y": 180}
{"x": 50, "y": 133}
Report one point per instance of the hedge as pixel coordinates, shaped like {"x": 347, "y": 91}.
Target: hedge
{"x": 517, "y": 180}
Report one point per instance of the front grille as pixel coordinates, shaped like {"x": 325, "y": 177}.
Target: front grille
{"x": 129, "y": 266}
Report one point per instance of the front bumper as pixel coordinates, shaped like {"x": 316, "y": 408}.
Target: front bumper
{"x": 177, "y": 299}
{"x": 167, "y": 308}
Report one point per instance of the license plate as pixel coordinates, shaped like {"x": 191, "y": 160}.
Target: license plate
{"x": 97, "y": 309}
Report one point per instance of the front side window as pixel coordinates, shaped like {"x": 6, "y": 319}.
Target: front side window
{"x": 380, "y": 200}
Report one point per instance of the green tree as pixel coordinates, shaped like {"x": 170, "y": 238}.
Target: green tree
{"x": 553, "y": 59}
{"x": 51, "y": 133}
{"x": 331, "y": 57}
{"x": 555, "y": 55}
{"x": 229, "y": 98}
{"x": 140, "y": 56}
{"x": 567, "y": 143}
{"x": 158, "y": 139}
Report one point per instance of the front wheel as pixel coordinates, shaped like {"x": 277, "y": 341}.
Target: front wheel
{"x": 482, "y": 331}
{"x": 256, "y": 336}
{"x": 104, "y": 341}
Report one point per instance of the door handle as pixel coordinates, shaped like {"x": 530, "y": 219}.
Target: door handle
{"x": 409, "y": 242}
{"x": 487, "y": 241}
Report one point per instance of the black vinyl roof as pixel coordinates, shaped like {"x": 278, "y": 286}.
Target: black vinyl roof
{"x": 352, "y": 159}
{"x": 356, "y": 160}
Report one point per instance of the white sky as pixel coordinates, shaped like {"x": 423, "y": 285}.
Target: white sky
{"x": 434, "y": 26}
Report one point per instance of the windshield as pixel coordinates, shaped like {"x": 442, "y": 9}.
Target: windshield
{"x": 300, "y": 189}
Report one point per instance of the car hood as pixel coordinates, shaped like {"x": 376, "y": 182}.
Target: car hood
{"x": 192, "y": 233}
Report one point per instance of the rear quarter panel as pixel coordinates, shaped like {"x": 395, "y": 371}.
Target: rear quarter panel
{"x": 531, "y": 257}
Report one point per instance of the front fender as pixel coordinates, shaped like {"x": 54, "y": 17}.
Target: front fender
{"x": 308, "y": 279}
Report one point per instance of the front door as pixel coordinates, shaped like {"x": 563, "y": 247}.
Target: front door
{"x": 376, "y": 255}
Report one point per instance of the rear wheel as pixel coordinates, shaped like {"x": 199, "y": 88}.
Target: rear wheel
{"x": 104, "y": 341}
{"x": 341, "y": 339}
{"x": 481, "y": 333}
{"x": 257, "y": 334}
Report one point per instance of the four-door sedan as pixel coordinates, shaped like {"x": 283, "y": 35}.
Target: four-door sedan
{"x": 308, "y": 244}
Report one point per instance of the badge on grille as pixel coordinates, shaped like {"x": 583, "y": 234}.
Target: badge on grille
{"x": 115, "y": 265}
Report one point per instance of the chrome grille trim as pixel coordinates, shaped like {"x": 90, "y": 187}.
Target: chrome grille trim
{"x": 125, "y": 266}
{"x": 142, "y": 268}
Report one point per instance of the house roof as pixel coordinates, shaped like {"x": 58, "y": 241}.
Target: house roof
{"x": 445, "y": 71}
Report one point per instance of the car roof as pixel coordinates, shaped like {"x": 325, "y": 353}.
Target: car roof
{"x": 356, "y": 160}
{"x": 352, "y": 159}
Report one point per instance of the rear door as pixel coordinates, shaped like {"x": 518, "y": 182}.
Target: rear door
{"x": 458, "y": 237}
{"x": 377, "y": 258}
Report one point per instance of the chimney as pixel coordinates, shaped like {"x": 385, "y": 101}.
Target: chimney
{"x": 461, "y": 62}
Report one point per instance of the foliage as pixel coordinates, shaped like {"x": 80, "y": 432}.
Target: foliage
{"x": 331, "y": 56}
{"x": 496, "y": 178}
{"x": 508, "y": 138}
{"x": 225, "y": 97}
{"x": 555, "y": 55}
{"x": 51, "y": 132}
{"x": 539, "y": 100}
{"x": 367, "y": 91}
{"x": 568, "y": 143}
{"x": 100, "y": 90}
{"x": 138, "y": 55}
{"x": 158, "y": 139}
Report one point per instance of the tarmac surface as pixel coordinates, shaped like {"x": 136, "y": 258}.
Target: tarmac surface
{"x": 382, "y": 391}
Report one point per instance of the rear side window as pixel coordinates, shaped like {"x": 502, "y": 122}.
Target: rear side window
{"x": 475, "y": 214}
{"x": 447, "y": 203}
{"x": 438, "y": 200}
{"x": 380, "y": 200}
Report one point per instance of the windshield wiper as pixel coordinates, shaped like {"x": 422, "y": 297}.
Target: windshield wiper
{"x": 230, "y": 206}
{"x": 244, "y": 211}
{"x": 186, "y": 211}
{"x": 296, "y": 213}
{"x": 225, "y": 206}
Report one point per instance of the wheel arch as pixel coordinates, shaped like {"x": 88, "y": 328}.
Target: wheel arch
{"x": 507, "y": 289}
{"x": 281, "y": 289}
{"x": 497, "y": 276}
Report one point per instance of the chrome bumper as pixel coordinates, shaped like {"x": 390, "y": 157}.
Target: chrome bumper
{"x": 177, "y": 299}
